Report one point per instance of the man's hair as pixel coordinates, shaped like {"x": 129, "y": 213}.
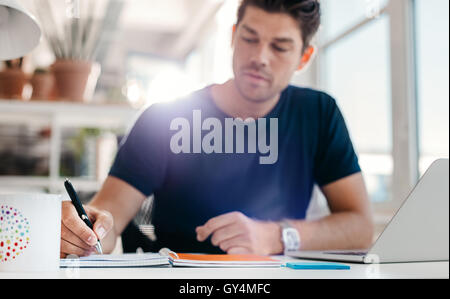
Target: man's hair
{"x": 305, "y": 12}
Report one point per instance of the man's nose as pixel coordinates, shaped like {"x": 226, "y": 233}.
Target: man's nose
{"x": 261, "y": 55}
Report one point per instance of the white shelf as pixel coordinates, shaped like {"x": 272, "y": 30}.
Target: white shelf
{"x": 58, "y": 115}
{"x": 25, "y": 183}
{"x": 65, "y": 113}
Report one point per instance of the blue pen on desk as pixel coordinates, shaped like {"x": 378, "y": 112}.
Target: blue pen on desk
{"x": 80, "y": 210}
{"x": 317, "y": 266}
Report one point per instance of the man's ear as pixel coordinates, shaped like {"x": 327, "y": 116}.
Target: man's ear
{"x": 233, "y": 34}
{"x": 307, "y": 57}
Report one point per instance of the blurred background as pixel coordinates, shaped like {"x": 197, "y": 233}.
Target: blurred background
{"x": 385, "y": 62}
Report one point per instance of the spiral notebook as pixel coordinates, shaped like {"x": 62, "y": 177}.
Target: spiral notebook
{"x": 221, "y": 260}
{"x": 128, "y": 260}
{"x": 166, "y": 257}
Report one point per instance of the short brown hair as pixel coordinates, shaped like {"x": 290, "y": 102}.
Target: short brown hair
{"x": 305, "y": 12}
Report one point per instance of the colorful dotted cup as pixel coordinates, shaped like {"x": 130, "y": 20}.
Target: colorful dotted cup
{"x": 14, "y": 233}
{"x": 30, "y": 229}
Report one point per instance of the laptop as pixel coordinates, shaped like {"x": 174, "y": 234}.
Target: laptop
{"x": 418, "y": 232}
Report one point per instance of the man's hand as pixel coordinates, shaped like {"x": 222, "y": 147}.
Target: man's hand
{"x": 235, "y": 233}
{"x": 76, "y": 237}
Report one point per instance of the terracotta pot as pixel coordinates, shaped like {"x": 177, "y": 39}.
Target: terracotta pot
{"x": 12, "y": 82}
{"x": 74, "y": 79}
{"x": 42, "y": 84}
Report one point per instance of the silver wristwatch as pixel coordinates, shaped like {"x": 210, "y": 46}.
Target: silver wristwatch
{"x": 290, "y": 237}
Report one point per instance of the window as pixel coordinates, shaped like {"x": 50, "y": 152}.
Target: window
{"x": 338, "y": 16}
{"x": 361, "y": 68}
{"x": 355, "y": 70}
{"x": 432, "y": 46}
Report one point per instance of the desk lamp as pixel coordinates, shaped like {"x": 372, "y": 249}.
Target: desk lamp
{"x": 19, "y": 31}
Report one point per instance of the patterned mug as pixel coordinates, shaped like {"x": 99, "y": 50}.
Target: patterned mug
{"x": 30, "y": 229}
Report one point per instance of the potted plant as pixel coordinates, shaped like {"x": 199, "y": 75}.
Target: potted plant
{"x": 42, "y": 82}
{"x": 75, "y": 44}
{"x": 12, "y": 79}
{"x": 71, "y": 78}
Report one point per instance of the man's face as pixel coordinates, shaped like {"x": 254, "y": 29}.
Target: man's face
{"x": 267, "y": 52}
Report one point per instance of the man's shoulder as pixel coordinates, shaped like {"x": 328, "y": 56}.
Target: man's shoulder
{"x": 180, "y": 107}
{"x": 305, "y": 95}
{"x": 308, "y": 102}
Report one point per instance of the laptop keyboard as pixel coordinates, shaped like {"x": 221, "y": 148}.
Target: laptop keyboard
{"x": 357, "y": 253}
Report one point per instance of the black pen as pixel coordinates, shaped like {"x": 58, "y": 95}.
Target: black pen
{"x": 81, "y": 212}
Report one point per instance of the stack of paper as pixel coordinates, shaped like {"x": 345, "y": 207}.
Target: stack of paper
{"x": 222, "y": 260}
{"x": 129, "y": 260}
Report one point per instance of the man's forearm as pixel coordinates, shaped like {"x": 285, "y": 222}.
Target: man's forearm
{"x": 345, "y": 230}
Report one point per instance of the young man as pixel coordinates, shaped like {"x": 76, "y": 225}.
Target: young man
{"x": 215, "y": 196}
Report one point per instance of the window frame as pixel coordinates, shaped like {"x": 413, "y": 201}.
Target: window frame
{"x": 405, "y": 131}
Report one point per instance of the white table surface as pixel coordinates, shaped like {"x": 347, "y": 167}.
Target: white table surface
{"x": 357, "y": 271}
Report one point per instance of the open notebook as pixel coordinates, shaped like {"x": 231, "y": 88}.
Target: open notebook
{"x": 167, "y": 257}
{"x": 128, "y": 260}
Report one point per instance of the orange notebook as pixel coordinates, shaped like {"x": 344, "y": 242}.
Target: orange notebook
{"x": 220, "y": 260}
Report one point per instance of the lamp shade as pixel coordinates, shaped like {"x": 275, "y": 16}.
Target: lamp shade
{"x": 19, "y": 31}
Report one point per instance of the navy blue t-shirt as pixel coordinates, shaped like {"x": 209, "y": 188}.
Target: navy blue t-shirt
{"x": 314, "y": 147}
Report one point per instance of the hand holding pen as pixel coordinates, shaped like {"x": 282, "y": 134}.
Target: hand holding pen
{"x": 82, "y": 228}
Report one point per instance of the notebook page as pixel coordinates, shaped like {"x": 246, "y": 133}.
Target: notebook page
{"x": 116, "y": 261}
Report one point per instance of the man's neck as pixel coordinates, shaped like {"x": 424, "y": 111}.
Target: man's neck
{"x": 229, "y": 100}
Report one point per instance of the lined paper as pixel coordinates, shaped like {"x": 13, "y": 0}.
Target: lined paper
{"x": 128, "y": 260}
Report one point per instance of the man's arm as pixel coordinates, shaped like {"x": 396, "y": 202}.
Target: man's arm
{"x": 112, "y": 208}
{"x": 348, "y": 227}
{"x": 350, "y": 224}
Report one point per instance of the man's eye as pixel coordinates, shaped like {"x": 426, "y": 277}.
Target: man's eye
{"x": 279, "y": 49}
{"x": 250, "y": 40}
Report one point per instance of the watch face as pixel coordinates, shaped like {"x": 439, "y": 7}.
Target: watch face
{"x": 291, "y": 239}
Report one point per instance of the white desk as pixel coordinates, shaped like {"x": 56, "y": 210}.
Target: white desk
{"x": 358, "y": 271}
